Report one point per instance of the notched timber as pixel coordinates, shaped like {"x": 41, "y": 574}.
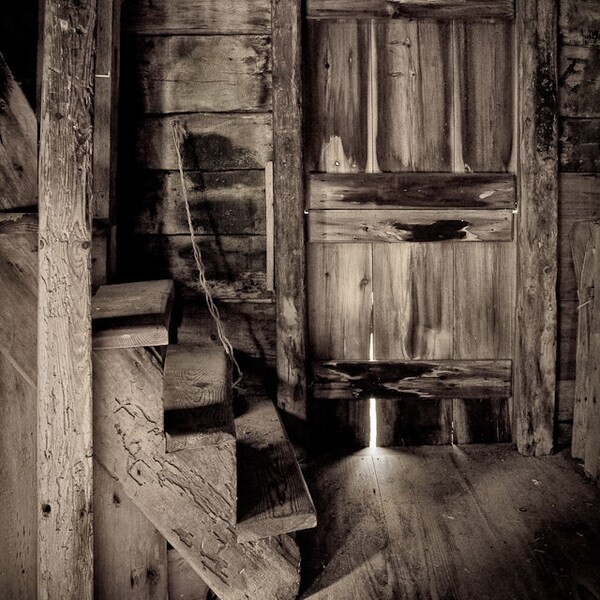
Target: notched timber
{"x": 425, "y": 380}
{"x": 396, "y": 9}
{"x": 411, "y": 190}
{"x": 409, "y": 226}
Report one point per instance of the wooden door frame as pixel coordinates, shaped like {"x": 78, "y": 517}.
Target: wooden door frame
{"x": 537, "y": 224}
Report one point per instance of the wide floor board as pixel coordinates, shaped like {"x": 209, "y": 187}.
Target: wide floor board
{"x": 460, "y": 523}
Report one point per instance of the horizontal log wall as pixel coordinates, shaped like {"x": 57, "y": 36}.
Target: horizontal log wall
{"x": 579, "y": 199}
{"x": 209, "y": 69}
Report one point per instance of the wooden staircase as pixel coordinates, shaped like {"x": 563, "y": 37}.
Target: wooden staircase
{"x": 224, "y": 492}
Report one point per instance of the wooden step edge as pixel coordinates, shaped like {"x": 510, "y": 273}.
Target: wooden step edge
{"x": 132, "y": 315}
{"x": 273, "y": 497}
{"x": 197, "y": 400}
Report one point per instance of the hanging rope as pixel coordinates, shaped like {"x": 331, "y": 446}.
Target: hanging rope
{"x": 179, "y": 134}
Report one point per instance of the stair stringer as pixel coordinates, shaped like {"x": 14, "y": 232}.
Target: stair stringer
{"x": 183, "y": 494}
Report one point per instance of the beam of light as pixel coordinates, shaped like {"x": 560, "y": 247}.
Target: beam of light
{"x": 372, "y": 423}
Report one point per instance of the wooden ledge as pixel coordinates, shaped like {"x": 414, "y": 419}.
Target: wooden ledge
{"x": 197, "y": 397}
{"x": 272, "y": 495}
{"x": 131, "y": 315}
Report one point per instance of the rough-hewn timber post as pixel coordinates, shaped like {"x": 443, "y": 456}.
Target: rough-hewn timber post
{"x": 535, "y": 352}
{"x": 288, "y": 193}
{"x": 65, "y": 543}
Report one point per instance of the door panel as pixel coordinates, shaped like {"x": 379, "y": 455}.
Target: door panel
{"x": 393, "y": 107}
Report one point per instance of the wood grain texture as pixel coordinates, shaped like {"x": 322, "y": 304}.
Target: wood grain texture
{"x": 579, "y": 80}
{"x": 412, "y": 380}
{"x": 583, "y": 246}
{"x": 438, "y": 9}
{"x": 235, "y": 265}
{"x": 535, "y": 350}
{"x": 213, "y": 143}
{"x": 186, "y": 495}
{"x": 413, "y": 313}
{"x": 184, "y": 582}
{"x": 414, "y": 83}
{"x": 391, "y": 225}
{"x": 129, "y": 315}
{"x": 484, "y": 300}
{"x": 64, "y": 466}
{"x": 130, "y": 556}
{"x": 579, "y": 22}
{"x": 340, "y": 289}
{"x": 221, "y": 203}
{"x": 410, "y": 190}
{"x": 486, "y": 67}
{"x": 18, "y": 402}
{"x": 288, "y": 191}
{"x": 579, "y": 145}
{"x": 481, "y": 421}
{"x": 336, "y": 127}
{"x": 234, "y": 73}
{"x": 18, "y": 144}
{"x": 197, "y": 397}
{"x": 432, "y": 522}
{"x": 169, "y": 17}
{"x": 273, "y": 496}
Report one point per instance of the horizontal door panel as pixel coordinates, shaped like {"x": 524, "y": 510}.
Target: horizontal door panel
{"x": 411, "y": 190}
{"x": 410, "y": 225}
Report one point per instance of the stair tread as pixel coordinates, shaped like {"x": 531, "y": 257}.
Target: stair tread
{"x": 273, "y": 497}
{"x": 132, "y": 315}
{"x": 197, "y": 397}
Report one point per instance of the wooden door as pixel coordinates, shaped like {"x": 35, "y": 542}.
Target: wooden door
{"x": 410, "y": 206}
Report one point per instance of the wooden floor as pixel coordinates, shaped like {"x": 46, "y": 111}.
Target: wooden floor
{"x": 451, "y": 523}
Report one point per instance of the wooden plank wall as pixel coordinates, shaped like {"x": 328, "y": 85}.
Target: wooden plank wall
{"x": 208, "y": 68}
{"x": 579, "y": 199}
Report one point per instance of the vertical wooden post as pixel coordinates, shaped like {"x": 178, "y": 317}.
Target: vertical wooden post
{"x": 65, "y": 543}
{"x": 535, "y": 352}
{"x": 288, "y": 193}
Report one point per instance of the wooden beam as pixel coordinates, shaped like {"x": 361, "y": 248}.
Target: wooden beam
{"x": 535, "y": 351}
{"x": 411, "y": 190}
{"x": 65, "y": 532}
{"x": 402, "y": 380}
{"x": 288, "y": 191}
{"x": 410, "y": 9}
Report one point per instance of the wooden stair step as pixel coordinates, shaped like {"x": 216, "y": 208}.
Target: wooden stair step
{"x": 197, "y": 397}
{"x": 132, "y": 315}
{"x": 273, "y": 497}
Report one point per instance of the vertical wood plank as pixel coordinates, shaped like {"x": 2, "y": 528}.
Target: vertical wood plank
{"x": 413, "y": 308}
{"x": 130, "y": 555}
{"x": 415, "y": 96}
{"x": 484, "y": 301}
{"x": 339, "y": 296}
{"x": 487, "y": 95}
{"x": 336, "y": 128}
{"x": 484, "y": 292}
{"x": 288, "y": 191}
{"x": 535, "y": 351}
{"x": 65, "y": 536}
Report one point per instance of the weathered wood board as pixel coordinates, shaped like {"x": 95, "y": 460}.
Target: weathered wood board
{"x": 18, "y": 145}
{"x": 579, "y": 79}
{"x": 580, "y": 145}
{"x": 170, "y": 17}
{"x": 394, "y": 225}
{"x": 579, "y": 22}
{"x": 414, "y": 83}
{"x": 439, "y": 9}
{"x": 339, "y": 300}
{"x": 410, "y": 190}
{"x": 130, "y": 555}
{"x": 221, "y": 203}
{"x": 214, "y": 142}
{"x": 336, "y": 127}
{"x": 233, "y": 72}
